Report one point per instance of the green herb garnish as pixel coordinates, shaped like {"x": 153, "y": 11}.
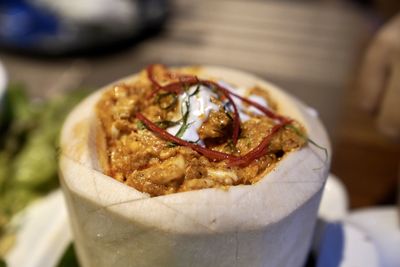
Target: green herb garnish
{"x": 184, "y": 119}
{"x": 185, "y": 110}
{"x": 171, "y": 144}
{"x": 195, "y": 142}
{"x": 195, "y": 91}
{"x": 305, "y": 137}
{"x": 183, "y": 129}
{"x": 140, "y": 125}
{"x": 166, "y": 124}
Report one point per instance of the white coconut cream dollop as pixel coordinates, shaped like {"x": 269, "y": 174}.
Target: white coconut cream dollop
{"x": 198, "y": 100}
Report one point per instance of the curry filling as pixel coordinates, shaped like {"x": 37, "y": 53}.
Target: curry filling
{"x": 171, "y": 131}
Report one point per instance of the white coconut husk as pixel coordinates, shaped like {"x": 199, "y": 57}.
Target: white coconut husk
{"x": 269, "y": 223}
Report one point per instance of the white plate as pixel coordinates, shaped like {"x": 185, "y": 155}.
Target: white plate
{"x": 383, "y": 226}
{"x": 344, "y": 245}
{"x": 335, "y": 202}
{"x": 337, "y": 243}
{"x": 44, "y": 233}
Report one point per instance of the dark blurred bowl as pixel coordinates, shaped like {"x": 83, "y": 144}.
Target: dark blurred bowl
{"x": 55, "y": 28}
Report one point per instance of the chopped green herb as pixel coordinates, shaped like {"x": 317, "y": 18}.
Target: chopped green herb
{"x": 166, "y": 124}
{"x": 301, "y": 134}
{"x": 229, "y": 115}
{"x": 183, "y": 129}
{"x": 185, "y": 125}
{"x": 195, "y": 91}
{"x": 184, "y": 119}
{"x": 185, "y": 87}
{"x": 195, "y": 142}
{"x": 140, "y": 125}
{"x": 320, "y": 147}
{"x": 231, "y": 145}
{"x": 171, "y": 144}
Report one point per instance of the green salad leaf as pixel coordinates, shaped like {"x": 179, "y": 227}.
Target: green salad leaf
{"x": 28, "y": 149}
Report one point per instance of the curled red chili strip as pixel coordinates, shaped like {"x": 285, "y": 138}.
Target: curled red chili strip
{"x": 210, "y": 154}
{"x": 179, "y": 86}
{"x": 174, "y": 87}
{"x": 150, "y": 75}
{"x": 261, "y": 108}
{"x": 258, "y": 151}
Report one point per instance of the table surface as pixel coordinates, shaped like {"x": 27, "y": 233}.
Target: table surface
{"x": 309, "y": 49}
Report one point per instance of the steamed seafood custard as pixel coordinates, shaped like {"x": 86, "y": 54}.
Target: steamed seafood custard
{"x": 172, "y": 131}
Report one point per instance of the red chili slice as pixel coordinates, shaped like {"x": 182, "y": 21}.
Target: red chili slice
{"x": 210, "y": 154}
{"x": 174, "y": 87}
{"x": 179, "y": 86}
{"x": 263, "y": 109}
{"x": 150, "y": 75}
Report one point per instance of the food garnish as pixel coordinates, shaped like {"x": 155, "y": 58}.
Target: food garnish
{"x": 189, "y": 80}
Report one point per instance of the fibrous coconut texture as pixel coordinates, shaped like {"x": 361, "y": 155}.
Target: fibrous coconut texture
{"x": 269, "y": 223}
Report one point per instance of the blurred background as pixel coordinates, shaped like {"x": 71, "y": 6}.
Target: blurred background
{"x": 338, "y": 56}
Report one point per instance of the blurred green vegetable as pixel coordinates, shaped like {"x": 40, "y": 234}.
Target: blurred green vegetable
{"x": 69, "y": 258}
{"x": 28, "y": 148}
